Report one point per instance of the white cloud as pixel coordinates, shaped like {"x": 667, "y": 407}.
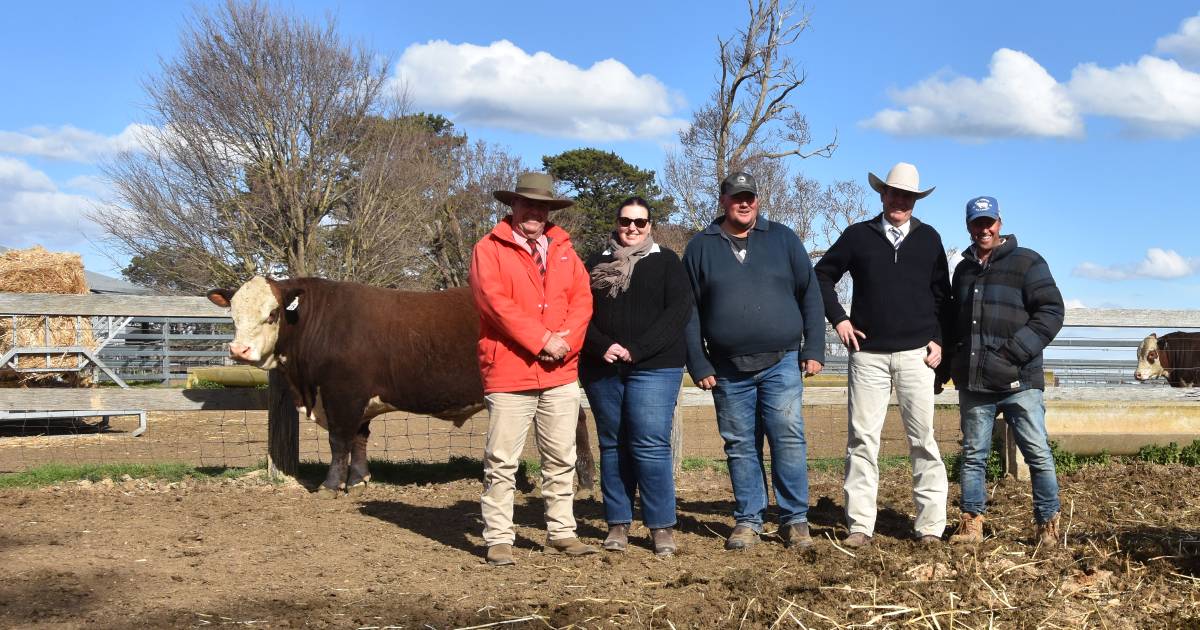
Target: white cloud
{"x": 34, "y": 212}
{"x": 1160, "y": 264}
{"x": 72, "y": 143}
{"x": 1074, "y": 303}
{"x": 1017, "y": 98}
{"x": 500, "y": 85}
{"x": 1183, "y": 45}
{"x": 1155, "y": 96}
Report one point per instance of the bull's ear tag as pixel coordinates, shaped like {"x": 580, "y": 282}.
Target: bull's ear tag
{"x": 295, "y": 304}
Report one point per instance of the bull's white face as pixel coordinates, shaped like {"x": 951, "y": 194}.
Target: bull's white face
{"x": 256, "y": 313}
{"x": 1148, "y": 366}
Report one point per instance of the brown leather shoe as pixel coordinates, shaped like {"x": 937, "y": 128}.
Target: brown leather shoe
{"x": 970, "y": 529}
{"x": 796, "y": 535}
{"x": 743, "y": 536}
{"x": 500, "y": 555}
{"x": 618, "y": 537}
{"x": 664, "y": 542}
{"x": 856, "y": 540}
{"x": 1047, "y": 532}
{"x": 571, "y": 546}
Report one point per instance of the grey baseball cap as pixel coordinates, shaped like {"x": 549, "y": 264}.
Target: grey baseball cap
{"x": 738, "y": 182}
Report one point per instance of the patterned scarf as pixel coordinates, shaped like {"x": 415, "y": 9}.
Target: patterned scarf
{"x": 614, "y": 276}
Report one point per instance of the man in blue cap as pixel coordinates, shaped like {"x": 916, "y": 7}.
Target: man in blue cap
{"x": 1007, "y": 310}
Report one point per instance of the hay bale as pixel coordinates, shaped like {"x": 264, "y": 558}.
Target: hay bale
{"x": 36, "y": 270}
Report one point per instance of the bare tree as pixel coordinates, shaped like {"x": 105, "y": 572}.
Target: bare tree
{"x": 751, "y": 123}
{"x": 264, "y": 156}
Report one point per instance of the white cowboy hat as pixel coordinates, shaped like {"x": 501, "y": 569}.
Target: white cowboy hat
{"x": 903, "y": 176}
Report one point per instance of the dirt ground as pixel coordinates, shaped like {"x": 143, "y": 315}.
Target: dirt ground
{"x": 252, "y": 553}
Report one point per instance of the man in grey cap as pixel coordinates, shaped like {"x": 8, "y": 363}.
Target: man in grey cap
{"x": 757, "y": 328}
{"x": 1008, "y": 309}
{"x": 894, "y": 335}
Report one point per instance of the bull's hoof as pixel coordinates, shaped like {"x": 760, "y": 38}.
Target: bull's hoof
{"x": 327, "y": 492}
{"x": 357, "y": 489}
{"x": 585, "y": 494}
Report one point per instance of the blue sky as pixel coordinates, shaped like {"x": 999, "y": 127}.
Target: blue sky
{"x": 1082, "y": 118}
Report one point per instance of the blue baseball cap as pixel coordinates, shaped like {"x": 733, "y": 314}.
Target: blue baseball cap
{"x": 983, "y": 207}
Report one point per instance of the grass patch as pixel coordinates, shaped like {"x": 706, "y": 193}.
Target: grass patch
{"x": 1171, "y": 454}
{"x": 50, "y": 474}
{"x": 689, "y": 464}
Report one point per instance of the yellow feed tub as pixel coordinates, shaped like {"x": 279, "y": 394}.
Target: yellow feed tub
{"x": 230, "y": 376}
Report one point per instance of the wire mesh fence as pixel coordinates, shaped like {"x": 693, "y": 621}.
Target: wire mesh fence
{"x": 239, "y": 438}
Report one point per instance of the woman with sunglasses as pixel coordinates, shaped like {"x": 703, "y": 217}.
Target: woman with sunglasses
{"x": 631, "y": 366}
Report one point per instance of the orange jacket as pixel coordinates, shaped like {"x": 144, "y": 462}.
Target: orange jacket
{"x": 517, "y": 311}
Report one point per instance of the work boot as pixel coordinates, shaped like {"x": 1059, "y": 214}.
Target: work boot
{"x": 743, "y": 536}
{"x": 664, "y": 542}
{"x": 618, "y": 537}
{"x": 796, "y": 535}
{"x": 500, "y": 555}
{"x": 571, "y": 546}
{"x": 856, "y": 540}
{"x": 929, "y": 540}
{"x": 1047, "y": 532}
{"x": 970, "y": 529}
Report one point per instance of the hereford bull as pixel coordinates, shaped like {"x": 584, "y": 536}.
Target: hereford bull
{"x": 350, "y": 352}
{"x": 1175, "y": 356}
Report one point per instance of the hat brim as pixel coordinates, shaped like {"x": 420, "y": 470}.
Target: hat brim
{"x": 879, "y": 185}
{"x": 507, "y": 197}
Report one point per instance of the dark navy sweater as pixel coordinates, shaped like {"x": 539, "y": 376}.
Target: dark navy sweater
{"x": 901, "y": 296}
{"x": 771, "y": 302}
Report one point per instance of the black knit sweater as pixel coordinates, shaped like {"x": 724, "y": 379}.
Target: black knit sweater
{"x": 648, "y": 318}
{"x": 901, "y": 296}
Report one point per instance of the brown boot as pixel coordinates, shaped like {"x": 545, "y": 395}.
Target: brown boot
{"x": 742, "y": 536}
{"x": 500, "y": 555}
{"x": 618, "y": 537}
{"x": 970, "y": 529}
{"x": 1047, "y": 532}
{"x": 856, "y": 540}
{"x": 571, "y": 546}
{"x": 796, "y": 535}
{"x": 664, "y": 542}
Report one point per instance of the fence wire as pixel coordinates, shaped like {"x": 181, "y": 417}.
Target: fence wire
{"x": 239, "y": 438}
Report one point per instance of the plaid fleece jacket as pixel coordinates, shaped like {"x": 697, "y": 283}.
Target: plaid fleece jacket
{"x": 1006, "y": 313}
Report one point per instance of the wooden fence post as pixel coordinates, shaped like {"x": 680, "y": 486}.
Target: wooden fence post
{"x": 283, "y": 428}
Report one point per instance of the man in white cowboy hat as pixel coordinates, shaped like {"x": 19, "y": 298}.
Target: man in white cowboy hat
{"x": 894, "y": 336}
{"x": 534, "y": 301}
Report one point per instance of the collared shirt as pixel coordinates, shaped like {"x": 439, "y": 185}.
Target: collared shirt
{"x": 903, "y": 228}
{"x": 543, "y": 243}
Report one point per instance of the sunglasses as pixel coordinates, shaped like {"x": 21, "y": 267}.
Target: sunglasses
{"x": 627, "y": 221}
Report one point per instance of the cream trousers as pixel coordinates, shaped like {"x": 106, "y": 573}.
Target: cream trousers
{"x": 554, "y": 413}
{"x": 871, "y": 378}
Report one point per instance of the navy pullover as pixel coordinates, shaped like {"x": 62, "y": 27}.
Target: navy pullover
{"x": 771, "y": 302}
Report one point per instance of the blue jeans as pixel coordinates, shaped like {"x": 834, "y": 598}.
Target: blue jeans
{"x": 1025, "y": 412}
{"x": 751, "y": 405}
{"x": 633, "y": 425}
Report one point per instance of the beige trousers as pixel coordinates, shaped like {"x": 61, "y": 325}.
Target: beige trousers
{"x": 554, "y": 413}
{"x": 871, "y": 377}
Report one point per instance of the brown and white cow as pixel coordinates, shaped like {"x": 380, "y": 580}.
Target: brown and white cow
{"x": 1174, "y": 356}
{"x": 350, "y": 352}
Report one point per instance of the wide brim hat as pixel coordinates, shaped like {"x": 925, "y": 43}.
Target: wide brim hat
{"x": 535, "y": 187}
{"x": 903, "y": 176}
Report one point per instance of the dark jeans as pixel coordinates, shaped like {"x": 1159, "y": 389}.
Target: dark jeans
{"x": 1025, "y": 412}
{"x": 633, "y": 425}
{"x": 753, "y": 405}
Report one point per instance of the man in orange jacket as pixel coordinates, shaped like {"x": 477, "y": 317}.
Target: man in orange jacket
{"x": 534, "y": 303}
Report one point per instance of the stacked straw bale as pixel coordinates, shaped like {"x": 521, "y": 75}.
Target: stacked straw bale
{"x": 36, "y": 270}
